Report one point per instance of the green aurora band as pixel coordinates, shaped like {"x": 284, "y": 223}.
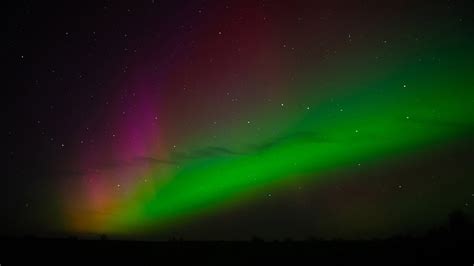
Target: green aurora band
{"x": 391, "y": 113}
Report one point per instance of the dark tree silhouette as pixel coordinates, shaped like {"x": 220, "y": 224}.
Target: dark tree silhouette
{"x": 460, "y": 226}
{"x": 256, "y": 239}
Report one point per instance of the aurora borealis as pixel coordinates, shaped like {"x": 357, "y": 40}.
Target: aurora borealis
{"x": 223, "y": 119}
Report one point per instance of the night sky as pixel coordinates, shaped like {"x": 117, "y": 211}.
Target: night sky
{"x": 230, "y": 119}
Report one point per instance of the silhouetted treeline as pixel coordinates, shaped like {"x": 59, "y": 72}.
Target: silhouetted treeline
{"x": 451, "y": 244}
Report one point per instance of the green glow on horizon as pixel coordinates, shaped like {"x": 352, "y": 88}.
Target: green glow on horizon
{"x": 415, "y": 109}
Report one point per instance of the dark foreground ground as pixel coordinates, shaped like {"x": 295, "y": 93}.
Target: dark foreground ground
{"x": 435, "y": 249}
